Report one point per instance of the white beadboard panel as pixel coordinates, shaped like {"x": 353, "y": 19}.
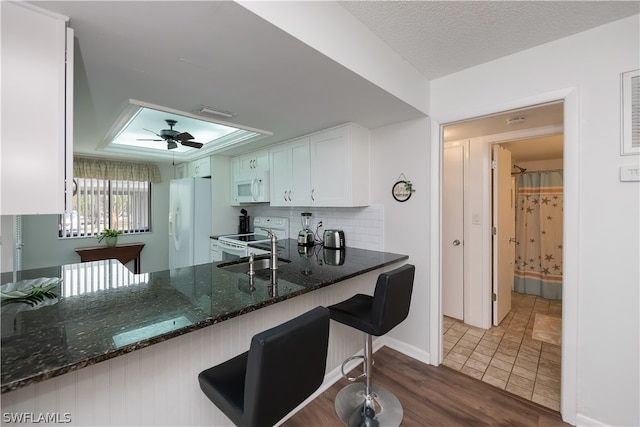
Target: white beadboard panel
{"x": 67, "y": 394}
{"x": 102, "y": 404}
{"x": 117, "y": 383}
{"x": 158, "y": 385}
{"x": 363, "y": 226}
{"x": 133, "y": 397}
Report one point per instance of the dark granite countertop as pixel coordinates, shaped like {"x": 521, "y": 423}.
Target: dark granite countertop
{"x": 104, "y": 310}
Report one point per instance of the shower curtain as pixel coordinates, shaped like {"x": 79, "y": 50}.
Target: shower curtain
{"x": 538, "y": 263}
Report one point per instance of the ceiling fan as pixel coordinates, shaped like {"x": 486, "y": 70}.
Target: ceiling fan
{"x": 173, "y": 137}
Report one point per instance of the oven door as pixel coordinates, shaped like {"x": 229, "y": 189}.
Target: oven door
{"x": 231, "y": 251}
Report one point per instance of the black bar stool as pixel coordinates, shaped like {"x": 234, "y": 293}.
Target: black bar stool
{"x": 369, "y": 404}
{"x": 283, "y": 366}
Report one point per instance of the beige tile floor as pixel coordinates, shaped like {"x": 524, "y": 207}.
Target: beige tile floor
{"x": 507, "y": 356}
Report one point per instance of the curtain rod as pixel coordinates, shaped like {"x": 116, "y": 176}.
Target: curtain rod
{"x": 544, "y": 170}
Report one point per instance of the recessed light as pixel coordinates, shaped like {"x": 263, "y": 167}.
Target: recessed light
{"x": 516, "y": 120}
{"x": 203, "y": 109}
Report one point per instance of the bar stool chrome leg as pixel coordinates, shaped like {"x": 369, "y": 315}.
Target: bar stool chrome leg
{"x": 366, "y": 404}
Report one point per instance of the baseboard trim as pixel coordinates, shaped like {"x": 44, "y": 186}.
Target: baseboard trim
{"x": 406, "y": 349}
{"x": 583, "y": 420}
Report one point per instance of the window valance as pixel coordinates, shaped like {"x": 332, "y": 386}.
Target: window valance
{"x": 115, "y": 170}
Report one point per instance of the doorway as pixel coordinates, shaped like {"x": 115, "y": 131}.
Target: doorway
{"x": 530, "y": 148}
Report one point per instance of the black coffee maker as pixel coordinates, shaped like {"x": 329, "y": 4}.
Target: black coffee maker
{"x": 244, "y": 224}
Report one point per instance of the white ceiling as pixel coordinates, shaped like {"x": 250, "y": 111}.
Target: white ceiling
{"x": 183, "y": 54}
{"x": 442, "y": 37}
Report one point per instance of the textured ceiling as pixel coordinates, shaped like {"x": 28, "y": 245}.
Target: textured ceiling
{"x": 182, "y": 54}
{"x": 442, "y": 37}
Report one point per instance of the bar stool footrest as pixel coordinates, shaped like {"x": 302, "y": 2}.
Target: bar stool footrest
{"x": 344, "y": 375}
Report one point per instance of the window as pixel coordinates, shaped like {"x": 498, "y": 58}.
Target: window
{"x": 101, "y": 203}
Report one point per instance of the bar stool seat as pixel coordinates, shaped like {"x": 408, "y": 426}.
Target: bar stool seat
{"x": 284, "y": 366}
{"x": 369, "y": 404}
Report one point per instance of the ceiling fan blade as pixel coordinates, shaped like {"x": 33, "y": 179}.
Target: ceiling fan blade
{"x": 149, "y": 139}
{"x": 192, "y": 144}
{"x": 160, "y": 136}
{"x": 184, "y": 136}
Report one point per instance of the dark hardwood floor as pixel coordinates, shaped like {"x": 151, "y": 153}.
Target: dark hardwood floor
{"x": 434, "y": 396}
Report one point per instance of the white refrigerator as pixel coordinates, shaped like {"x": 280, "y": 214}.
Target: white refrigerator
{"x": 189, "y": 222}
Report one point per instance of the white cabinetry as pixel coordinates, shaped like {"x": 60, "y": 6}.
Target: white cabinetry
{"x": 37, "y": 112}
{"x": 200, "y": 168}
{"x": 290, "y": 174}
{"x": 181, "y": 170}
{"x": 326, "y": 169}
{"x": 340, "y": 166}
{"x": 257, "y": 161}
{"x": 216, "y": 255}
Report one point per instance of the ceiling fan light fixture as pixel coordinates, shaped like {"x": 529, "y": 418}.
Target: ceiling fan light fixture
{"x": 131, "y": 132}
{"x": 213, "y": 112}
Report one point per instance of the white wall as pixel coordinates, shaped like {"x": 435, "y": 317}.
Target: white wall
{"x": 403, "y": 148}
{"x": 604, "y": 250}
{"x": 43, "y": 248}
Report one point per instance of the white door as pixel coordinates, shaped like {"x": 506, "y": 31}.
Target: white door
{"x": 330, "y": 160}
{"x": 280, "y": 175}
{"x": 300, "y": 180}
{"x": 452, "y": 232}
{"x": 503, "y": 233}
{"x": 180, "y": 219}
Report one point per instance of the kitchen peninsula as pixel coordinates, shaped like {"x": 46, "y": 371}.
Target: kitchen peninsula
{"x": 105, "y": 311}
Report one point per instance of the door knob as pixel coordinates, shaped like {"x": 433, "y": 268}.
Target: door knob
{"x": 456, "y": 242}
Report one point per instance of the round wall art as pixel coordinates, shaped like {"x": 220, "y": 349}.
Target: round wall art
{"x": 401, "y": 191}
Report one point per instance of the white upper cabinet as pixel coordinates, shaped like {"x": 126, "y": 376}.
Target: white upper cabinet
{"x": 340, "y": 167}
{"x": 200, "y": 168}
{"x": 181, "y": 170}
{"x": 325, "y": 169}
{"x": 257, "y": 161}
{"x": 290, "y": 174}
{"x": 37, "y": 112}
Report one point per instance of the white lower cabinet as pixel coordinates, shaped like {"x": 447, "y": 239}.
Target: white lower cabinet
{"x": 36, "y": 169}
{"x": 290, "y": 174}
{"x": 216, "y": 255}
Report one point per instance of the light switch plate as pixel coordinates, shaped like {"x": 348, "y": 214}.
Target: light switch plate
{"x": 629, "y": 173}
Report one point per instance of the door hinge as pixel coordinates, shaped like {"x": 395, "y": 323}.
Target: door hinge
{"x": 494, "y": 297}
{"x": 494, "y": 164}
{"x": 494, "y": 231}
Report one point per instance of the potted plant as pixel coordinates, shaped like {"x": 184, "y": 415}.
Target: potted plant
{"x": 110, "y": 236}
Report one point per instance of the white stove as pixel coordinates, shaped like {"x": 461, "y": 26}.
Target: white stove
{"x": 236, "y": 246}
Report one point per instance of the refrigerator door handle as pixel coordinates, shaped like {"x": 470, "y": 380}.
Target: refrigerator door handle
{"x": 173, "y": 228}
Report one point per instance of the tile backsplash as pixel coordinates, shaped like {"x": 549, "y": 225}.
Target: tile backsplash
{"x": 363, "y": 227}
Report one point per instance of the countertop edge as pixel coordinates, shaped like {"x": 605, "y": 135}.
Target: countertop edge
{"x": 52, "y": 373}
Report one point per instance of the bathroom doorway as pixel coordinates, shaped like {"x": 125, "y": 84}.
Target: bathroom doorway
{"x": 467, "y": 341}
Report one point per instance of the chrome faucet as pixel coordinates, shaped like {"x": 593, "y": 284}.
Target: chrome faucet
{"x": 251, "y": 259}
{"x": 274, "y": 248}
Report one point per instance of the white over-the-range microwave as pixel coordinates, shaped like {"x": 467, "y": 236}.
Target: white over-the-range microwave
{"x": 251, "y": 187}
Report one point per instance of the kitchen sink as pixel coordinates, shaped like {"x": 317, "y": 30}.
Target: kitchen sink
{"x": 258, "y": 264}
